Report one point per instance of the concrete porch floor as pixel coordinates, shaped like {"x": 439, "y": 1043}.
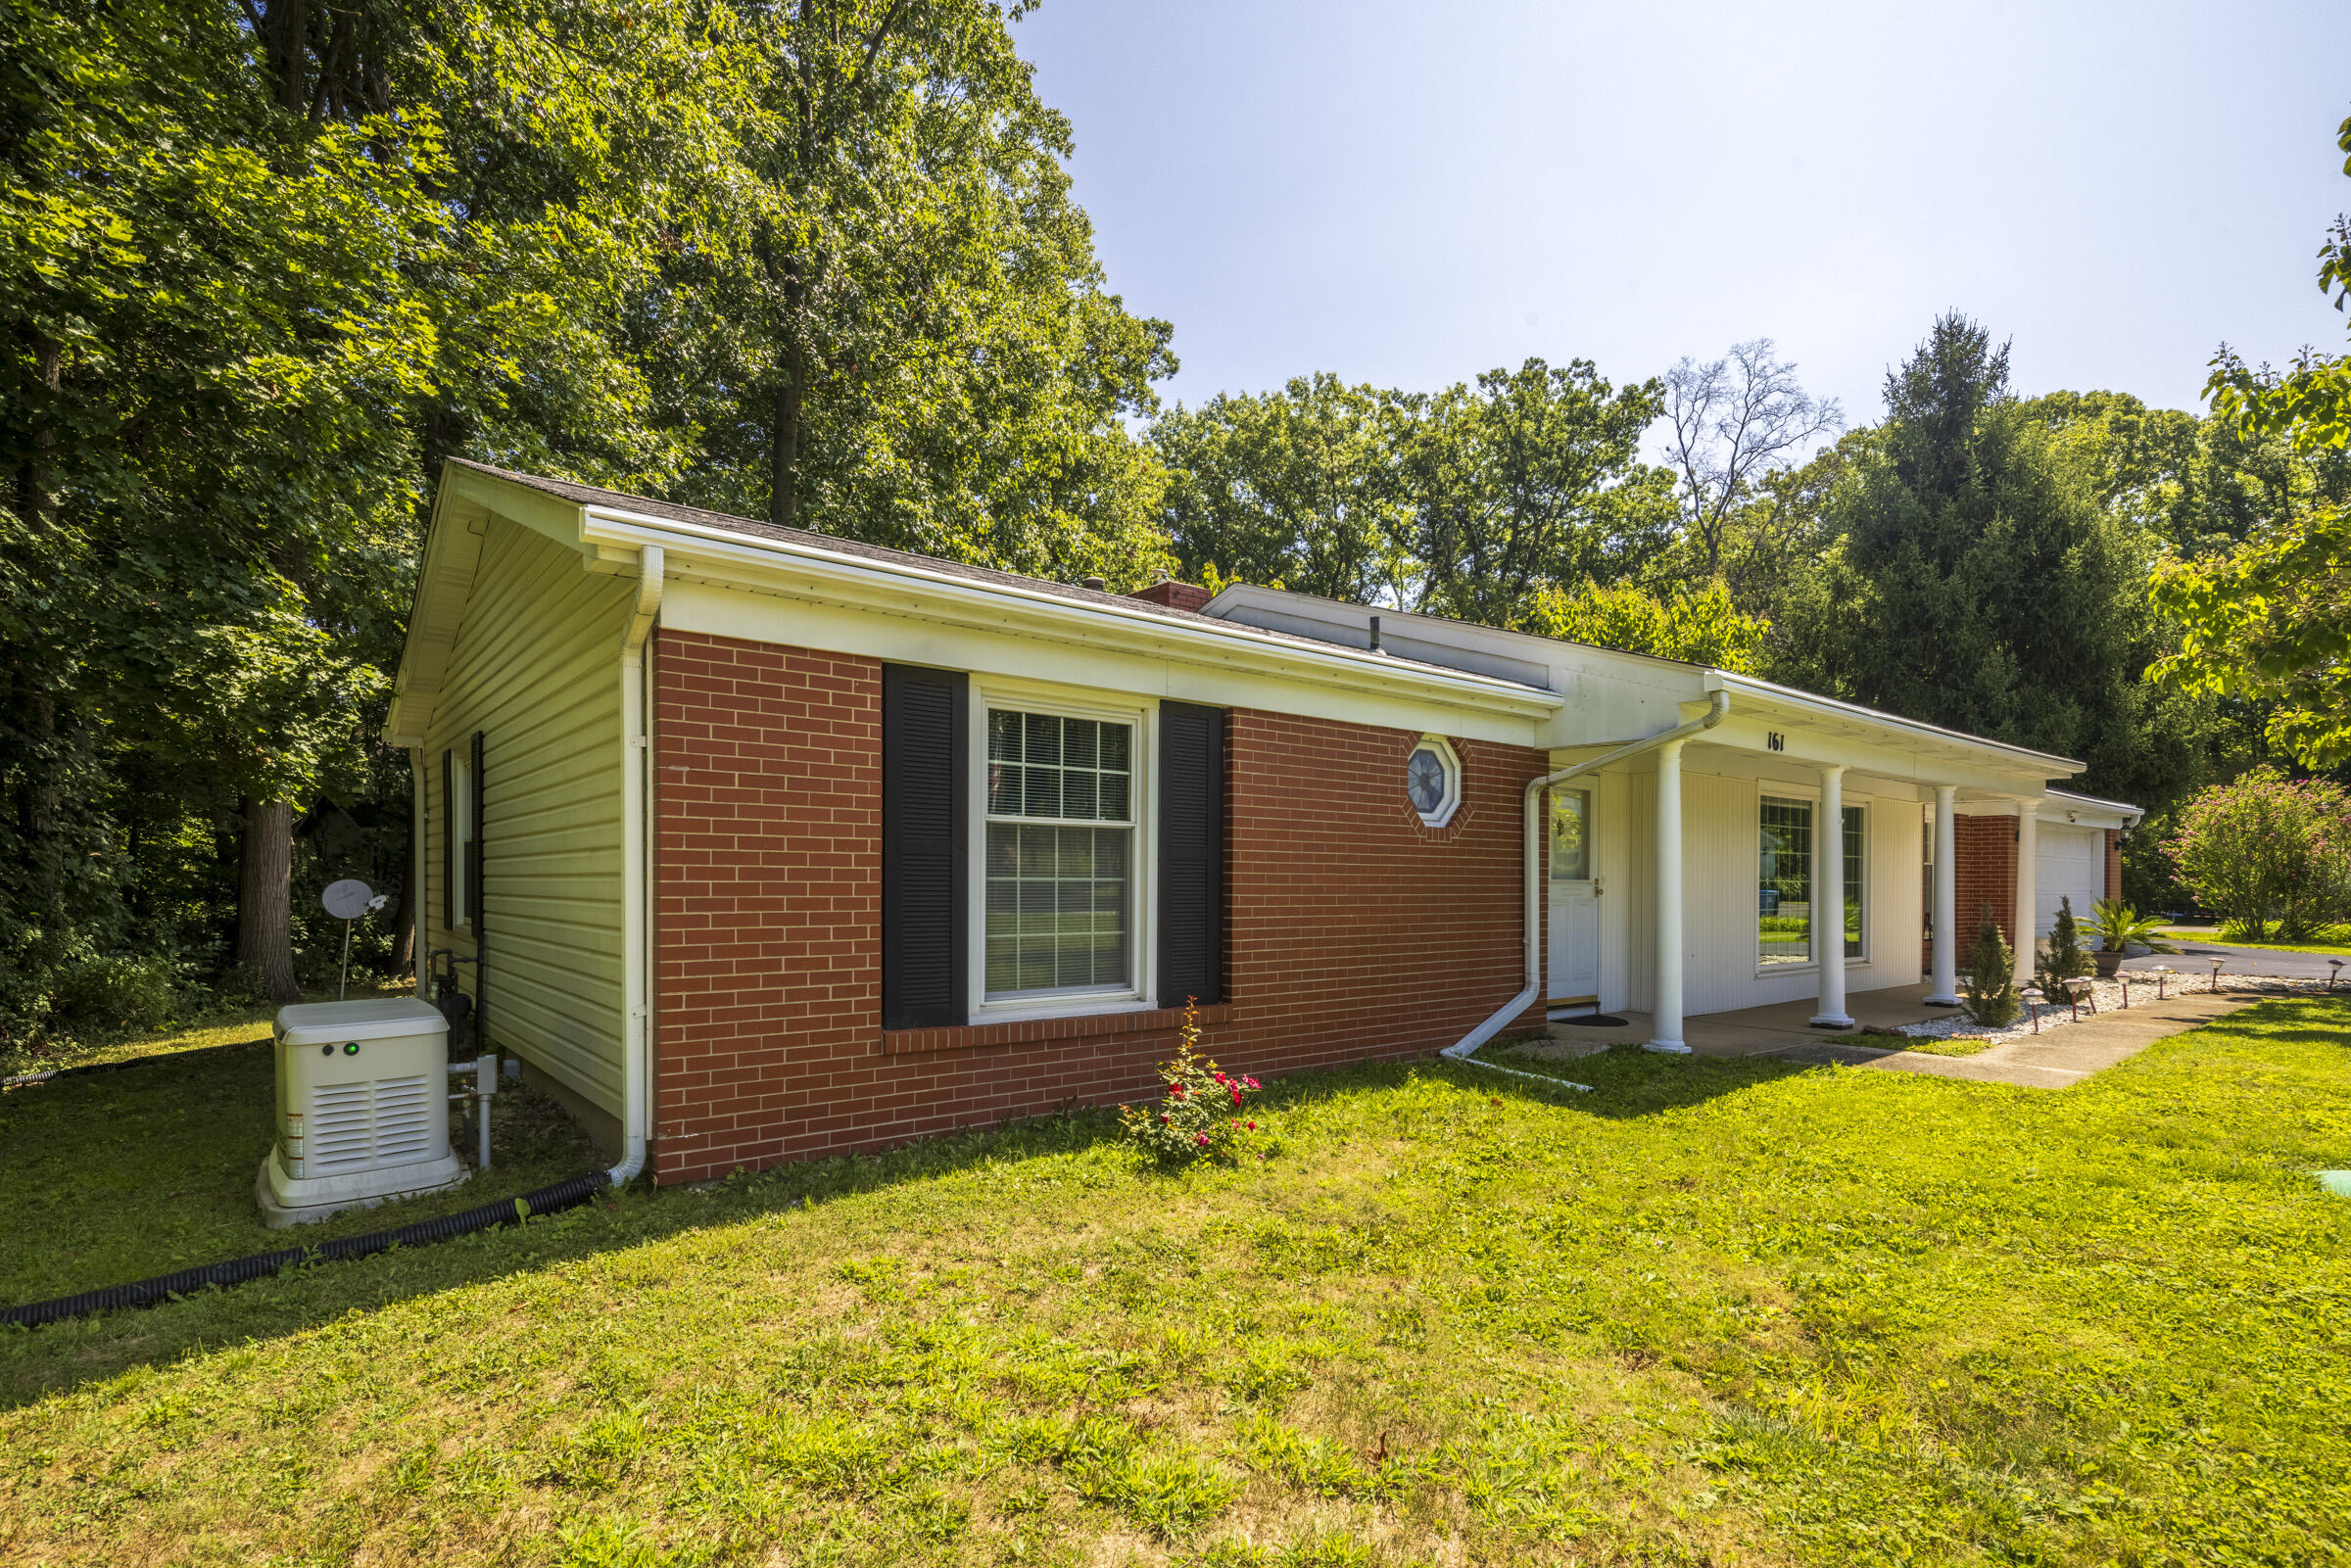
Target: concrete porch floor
{"x": 2047, "y": 1061}
{"x": 1763, "y": 1030}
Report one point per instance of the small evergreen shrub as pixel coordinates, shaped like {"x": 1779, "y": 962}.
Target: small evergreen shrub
{"x": 1991, "y": 994}
{"x": 1201, "y": 1116}
{"x": 2066, "y": 958}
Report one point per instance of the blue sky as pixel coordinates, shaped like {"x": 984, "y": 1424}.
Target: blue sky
{"x": 1409, "y": 194}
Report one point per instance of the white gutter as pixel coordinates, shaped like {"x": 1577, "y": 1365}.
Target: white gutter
{"x": 1718, "y": 707}
{"x": 636, "y": 873}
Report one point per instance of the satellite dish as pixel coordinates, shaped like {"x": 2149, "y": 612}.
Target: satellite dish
{"x": 347, "y": 899}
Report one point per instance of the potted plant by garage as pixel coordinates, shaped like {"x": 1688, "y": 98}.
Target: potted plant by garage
{"x": 2119, "y": 926}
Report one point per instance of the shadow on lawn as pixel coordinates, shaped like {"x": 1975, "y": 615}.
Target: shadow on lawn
{"x": 213, "y": 1197}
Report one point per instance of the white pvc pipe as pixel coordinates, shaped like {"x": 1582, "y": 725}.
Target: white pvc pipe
{"x": 1828, "y": 902}
{"x": 1946, "y": 991}
{"x": 636, "y": 872}
{"x": 1531, "y": 880}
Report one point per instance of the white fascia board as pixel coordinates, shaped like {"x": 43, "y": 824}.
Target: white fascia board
{"x": 1999, "y": 754}
{"x": 2087, "y": 810}
{"x": 832, "y": 577}
{"x": 444, "y": 567}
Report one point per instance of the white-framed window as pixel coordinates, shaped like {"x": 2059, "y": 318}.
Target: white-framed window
{"x": 1432, "y": 780}
{"x": 1063, "y": 854}
{"x": 1783, "y": 883}
{"x": 460, "y": 828}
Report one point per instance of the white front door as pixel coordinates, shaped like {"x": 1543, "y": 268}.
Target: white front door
{"x": 1574, "y": 969}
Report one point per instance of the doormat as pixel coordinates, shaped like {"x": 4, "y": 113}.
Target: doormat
{"x": 1596, "y": 1021}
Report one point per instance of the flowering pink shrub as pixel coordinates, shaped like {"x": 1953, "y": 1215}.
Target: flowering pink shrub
{"x": 2267, "y": 847}
{"x": 1201, "y": 1116}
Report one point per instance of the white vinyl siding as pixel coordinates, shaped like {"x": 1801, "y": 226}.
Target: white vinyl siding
{"x": 1720, "y": 824}
{"x": 535, "y": 667}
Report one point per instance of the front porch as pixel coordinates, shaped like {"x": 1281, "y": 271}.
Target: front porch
{"x": 1760, "y": 1030}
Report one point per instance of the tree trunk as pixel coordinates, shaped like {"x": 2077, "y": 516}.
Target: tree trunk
{"x": 403, "y": 924}
{"x": 265, "y": 899}
{"x": 784, "y": 451}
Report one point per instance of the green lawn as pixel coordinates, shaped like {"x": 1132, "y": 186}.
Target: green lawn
{"x": 117, "y": 1176}
{"x": 1715, "y": 1312}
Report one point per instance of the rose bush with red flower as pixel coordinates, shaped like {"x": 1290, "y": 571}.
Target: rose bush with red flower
{"x": 1194, "y": 1119}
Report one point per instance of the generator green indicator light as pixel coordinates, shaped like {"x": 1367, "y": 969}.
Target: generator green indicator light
{"x": 351, "y": 1047}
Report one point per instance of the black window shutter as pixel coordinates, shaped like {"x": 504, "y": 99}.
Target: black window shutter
{"x": 1191, "y": 854}
{"x": 473, "y": 849}
{"x": 449, "y": 841}
{"x": 925, "y": 856}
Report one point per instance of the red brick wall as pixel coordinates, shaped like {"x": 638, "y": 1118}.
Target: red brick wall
{"x": 1174, "y": 595}
{"x": 2114, "y": 866}
{"x": 1354, "y": 932}
{"x": 1984, "y": 872}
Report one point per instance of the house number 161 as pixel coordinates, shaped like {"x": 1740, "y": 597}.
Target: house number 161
{"x": 1776, "y": 741}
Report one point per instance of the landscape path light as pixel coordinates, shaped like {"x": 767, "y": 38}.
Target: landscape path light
{"x": 2162, "y": 972}
{"x": 2078, "y": 987}
{"x": 2033, "y": 1001}
{"x": 2334, "y": 966}
{"x": 2216, "y": 972}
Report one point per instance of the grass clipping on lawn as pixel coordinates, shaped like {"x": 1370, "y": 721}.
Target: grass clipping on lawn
{"x": 1715, "y": 1311}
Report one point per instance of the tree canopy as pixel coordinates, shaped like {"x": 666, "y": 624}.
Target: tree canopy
{"x": 2271, "y": 619}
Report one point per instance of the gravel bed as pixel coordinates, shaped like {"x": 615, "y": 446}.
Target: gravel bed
{"x": 2057, "y": 1013}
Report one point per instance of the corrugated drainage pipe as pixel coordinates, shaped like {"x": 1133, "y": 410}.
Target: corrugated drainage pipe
{"x": 237, "y": 1270}
{"x": 1718, "y": 707}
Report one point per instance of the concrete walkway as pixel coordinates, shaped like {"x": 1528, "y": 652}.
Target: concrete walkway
{"x": 2051, "y": 1059}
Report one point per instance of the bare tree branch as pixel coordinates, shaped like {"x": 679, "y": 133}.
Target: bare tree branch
{"x": 1736, "y": 420}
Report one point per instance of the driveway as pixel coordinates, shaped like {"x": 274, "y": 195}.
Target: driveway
{"x": 2195, "y": 957}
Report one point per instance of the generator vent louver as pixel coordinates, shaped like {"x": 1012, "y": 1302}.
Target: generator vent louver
{"x": 383, "y": 1122}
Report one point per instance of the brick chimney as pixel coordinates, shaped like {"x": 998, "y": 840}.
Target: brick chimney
{"x": 1174, "y": 595}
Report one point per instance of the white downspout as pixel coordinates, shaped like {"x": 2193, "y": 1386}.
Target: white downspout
{"x": 1718, "y": 706}
{"x": 636, "y": 880}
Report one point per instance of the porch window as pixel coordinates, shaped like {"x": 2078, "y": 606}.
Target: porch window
{"x": 1060, "y": 852}
{"x": 1856, "y": 884}
{"x": 1784, "y": 884}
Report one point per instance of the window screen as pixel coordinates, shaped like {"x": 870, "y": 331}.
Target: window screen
{"x": 1060, "y": 853}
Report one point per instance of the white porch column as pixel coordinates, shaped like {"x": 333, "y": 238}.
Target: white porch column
{"x": 2028, "y": 842}
{"x": 1945, "y": 989}
{"x": 1666, "y": 1014}
{"x": 1828, "y": 902}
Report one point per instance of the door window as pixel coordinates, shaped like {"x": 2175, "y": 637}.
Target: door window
{"x": 1570, "y": 836}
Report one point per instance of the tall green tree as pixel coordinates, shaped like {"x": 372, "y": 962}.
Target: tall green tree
{"x": 1299, "y": 488}
{"x": 2271, "y": 620}
{"x": 212, "y": 346}
{"x": 1530, "y": 478}
{"x": 905, "y": 336}
{"x": 1976, "y": 583}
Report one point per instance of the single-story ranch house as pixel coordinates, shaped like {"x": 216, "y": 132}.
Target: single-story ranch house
{"x": 759, "y": 844}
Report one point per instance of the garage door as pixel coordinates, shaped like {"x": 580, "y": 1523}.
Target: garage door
{"x": 2071, "y": 864}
